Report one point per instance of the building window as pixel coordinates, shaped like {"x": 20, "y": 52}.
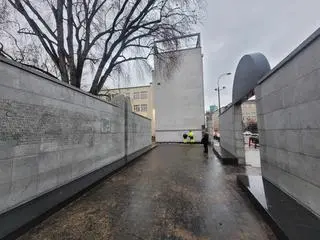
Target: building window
{"x": 144, "y": 108}
{"x": 144, "y": 95}
{"x": 136, "y": 95}
{"x": 136, "y": 108}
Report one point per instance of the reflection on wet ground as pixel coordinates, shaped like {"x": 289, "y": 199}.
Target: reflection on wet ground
{"x": 252, "y": 156}
{"x": 174, "y": 192}
{"x": 294, "y": 221}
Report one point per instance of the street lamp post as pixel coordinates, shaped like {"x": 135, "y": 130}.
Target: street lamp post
{"x": 219, "y": 89}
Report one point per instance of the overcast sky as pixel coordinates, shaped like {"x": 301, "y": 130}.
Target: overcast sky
{"x": 233, "y": 28}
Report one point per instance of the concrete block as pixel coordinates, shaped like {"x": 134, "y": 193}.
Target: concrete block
{"x": 309, "y": 114}
{"x": 304, "y": 192}
{"x": 270, "y": 155}
{"x": 295, "y": 163}
{"x": 263, "y": 153}
{"x": 271, "y": 102}
{"x": 308, "y": 88}
{"x": 49, "y": 161}
{"x": 293, "y": 140}
{"x": 9, "y": 150}
{"x": 260, "y": 122}
{"x": 270, "y": 172}
{"x": 280, "y": 138}
{"x": 292, "y": 118}
{"x": 64, "y": 174}
{"x": 24, "y": 167}
{"x": 9, "y": 76}
{"x": 307, "y": 60}
{"x": 81, "y": 168}
{"x": 310, "y": 142}
{"x": 5, "y": 171}
{"x": 47, "y": 181}
{"x": 257, "y": 92}
{"x": 259, "y": 106}
{"x": 311, "y": 167}
{"x": 281, "y": 159}
{"x": 262, "y": 137}
{"x": 49, "y": 146}
{"x": 23, "y": 190}
{"x": 4, "y": 196}
{"x": 272, "y": 84}
{"x": 289, "y": 96}
{"x": 16, "y": 95}
{"x": 305, "y": 167}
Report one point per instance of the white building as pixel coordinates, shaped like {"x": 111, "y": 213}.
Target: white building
{"x": 249, "y": 112}
{"x": 179, "y": 94}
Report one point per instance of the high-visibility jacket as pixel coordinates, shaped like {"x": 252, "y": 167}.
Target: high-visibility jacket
{"x": 191, "y": 136}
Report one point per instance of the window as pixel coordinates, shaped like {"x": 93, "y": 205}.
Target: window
{"x": 144, "y": 95}
{"x": 136, "y": 95}
{"x": 144, "y": 108}
{"x": 136, "y": 108}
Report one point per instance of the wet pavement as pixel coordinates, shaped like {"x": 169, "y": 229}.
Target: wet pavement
{"x": 174, "y": 192}
{"x": 252, "y": 156}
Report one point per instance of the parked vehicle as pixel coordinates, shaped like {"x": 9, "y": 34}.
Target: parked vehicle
{"x": 254, "y": 139}
{"x": 247, "y": 133}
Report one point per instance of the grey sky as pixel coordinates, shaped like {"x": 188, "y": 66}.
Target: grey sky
{"x": 233, "y": 28}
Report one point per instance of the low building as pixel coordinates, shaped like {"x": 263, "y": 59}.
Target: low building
{"x": 249, "y": 112}
{"x": 141, "y": 99}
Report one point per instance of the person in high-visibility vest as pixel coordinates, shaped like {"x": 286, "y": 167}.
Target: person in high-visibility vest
{"x": 185, "y": 138}
{"x": 191, "y": 137}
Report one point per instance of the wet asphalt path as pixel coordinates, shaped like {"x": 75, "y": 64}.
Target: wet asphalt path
{"x": 172, "y": 193}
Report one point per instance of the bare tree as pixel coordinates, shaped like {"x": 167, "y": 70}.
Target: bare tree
{"x": 102, "y": 34}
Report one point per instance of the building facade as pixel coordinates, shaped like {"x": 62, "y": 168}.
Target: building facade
{"x": 249, "y": 112}
{"x": 179, "y": 95}
{"x": 141, "y": 99}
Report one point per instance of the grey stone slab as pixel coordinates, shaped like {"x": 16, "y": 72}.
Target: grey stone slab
{"x": 10, "y": 76}
{"x": 292, "y": 118}
{"x": 12, "y": 150}
{"x": 47, "y": 181}
{"x": 293, "y": 140}
{"x": 24, "y": 167}
{"x": 281, "y": 159}
{"x": 308, "y": 87}
{"x": 5, "y": 190}
{"x": 310, "y": 142}
{"x": 23, "y": 190}
{"x": 83, "y": 167}
{"x": 5, "y": 171}
{"x": 311, "y": 167}
{"x": 49, "y": 161}
{"x": 271, "y": 102}
{"x": 309, "y": 114}
{"x": 64, "y": 174}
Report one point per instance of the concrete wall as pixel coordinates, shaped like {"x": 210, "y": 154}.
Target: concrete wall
{"x": 288, "y": 107}
{"x": 178, "y": 96}
{"x": 231, "y": 132}
{"x": 52, "y": 134}
{"x": 139, "y": 132}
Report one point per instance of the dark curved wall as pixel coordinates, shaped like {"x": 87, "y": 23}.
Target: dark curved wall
{"x": 250, "y": 70}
